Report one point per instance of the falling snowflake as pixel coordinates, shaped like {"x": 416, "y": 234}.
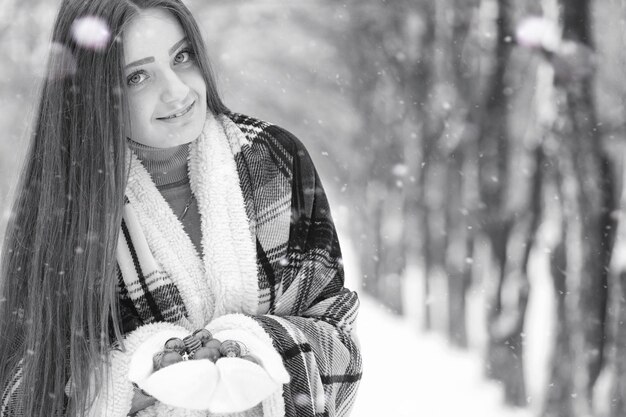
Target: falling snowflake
{"x": 538, "y": 32}
{"x": 400, "y": 170}
{"x": 91, "y": 32}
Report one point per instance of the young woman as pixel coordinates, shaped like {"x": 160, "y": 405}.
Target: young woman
{"x": 146, "y": 206}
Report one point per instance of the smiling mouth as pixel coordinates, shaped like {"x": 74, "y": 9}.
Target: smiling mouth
{"x": 180, "y": 113}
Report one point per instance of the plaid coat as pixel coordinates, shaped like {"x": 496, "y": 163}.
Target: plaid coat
{"x": 280, "y": 276}
{"x": 303, "y": 304}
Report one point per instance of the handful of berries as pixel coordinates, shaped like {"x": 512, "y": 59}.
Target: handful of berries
{"x": 199, "y": 345}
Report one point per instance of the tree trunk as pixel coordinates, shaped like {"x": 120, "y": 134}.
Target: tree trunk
{"x": 458, "y": 251}
{"x": 584, "y": 292}
{"x": 365, "y": 179}
{"x": 561, "y": 388}
{"x": 610, "y": 395}
{"x": 617, "y": 397}
{"x": 505, "y": 325}
{"x": 587, "y": 195}
{"x": 461, "y": 198}
{"x": 392, "y": 252}
{"x": 422, "y": 82}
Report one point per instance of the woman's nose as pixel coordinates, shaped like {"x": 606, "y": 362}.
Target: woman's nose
{"x": 174, "y": 88}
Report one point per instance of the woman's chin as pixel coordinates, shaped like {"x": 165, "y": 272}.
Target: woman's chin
{"x": 179, "y": 135}
{"x": 172, "y": 137}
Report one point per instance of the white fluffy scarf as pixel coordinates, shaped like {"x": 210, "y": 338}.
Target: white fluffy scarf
{"x": 223, "y": 279}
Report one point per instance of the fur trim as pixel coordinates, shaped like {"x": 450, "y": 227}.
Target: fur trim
{"x": 229, "y": 252}
{"x": 167, "y": 241}
{"x": 115, "y": 399}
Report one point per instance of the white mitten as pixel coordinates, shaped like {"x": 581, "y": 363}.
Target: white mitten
{"x": 228, "y": 386}
{"x": 244, "y": 384}
{"x": 189, "y": 384}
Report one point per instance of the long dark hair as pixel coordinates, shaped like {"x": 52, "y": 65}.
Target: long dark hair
{"x": 58, "y": 299}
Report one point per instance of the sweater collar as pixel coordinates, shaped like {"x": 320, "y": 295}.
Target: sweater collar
{"x": 165, "y": 165}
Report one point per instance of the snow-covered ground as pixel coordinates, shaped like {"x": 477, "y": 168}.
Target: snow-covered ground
{"x": 412, "y": 374}
{"x": 409, "y": 373}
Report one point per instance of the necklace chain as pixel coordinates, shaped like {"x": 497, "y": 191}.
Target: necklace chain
{"x": 186, "y": 209}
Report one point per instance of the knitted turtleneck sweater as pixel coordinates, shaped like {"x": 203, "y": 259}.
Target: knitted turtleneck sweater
{"x": 169, "y": 172}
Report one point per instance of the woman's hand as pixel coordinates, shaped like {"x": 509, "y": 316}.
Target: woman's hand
{"x": 140, "y": 401}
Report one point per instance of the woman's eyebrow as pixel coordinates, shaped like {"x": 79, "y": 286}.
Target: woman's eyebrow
{"x": 140, "y": 62}
{"x": 176, "y": 45}
{"x": 151, "y": 58}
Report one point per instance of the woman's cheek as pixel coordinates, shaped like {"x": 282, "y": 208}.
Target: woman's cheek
{"x": 142, "y": 105}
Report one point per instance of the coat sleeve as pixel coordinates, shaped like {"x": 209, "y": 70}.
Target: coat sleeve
{"x": 312, "y": 325}
{"x": 311, "y": 321}
{"x": 12, "y": 394}
{"x": 12, "y": 391}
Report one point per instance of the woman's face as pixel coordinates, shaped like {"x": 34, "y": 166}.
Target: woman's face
{"x": 166, "y": 91}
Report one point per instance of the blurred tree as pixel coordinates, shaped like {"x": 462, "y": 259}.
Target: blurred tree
{"x": 610, "y": 390}
{"x": 498, "y": 218}
{"x": 427, "y": 201}
{"x": 372, "y": 92}
{"x": 389, "y": 50}
{"x": 461, "y": 156}
{"x": 580, "y": 261}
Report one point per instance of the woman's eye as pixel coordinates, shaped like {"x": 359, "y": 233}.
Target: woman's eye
{"x": 183, "y": 56}
{"x": 136, "y": 78}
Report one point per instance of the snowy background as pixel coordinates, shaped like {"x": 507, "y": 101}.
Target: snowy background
{"x": 411, "y": 373}
{"x": 348, "y": 78}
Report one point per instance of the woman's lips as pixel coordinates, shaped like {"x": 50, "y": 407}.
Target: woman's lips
{"x": 179, "y": 113}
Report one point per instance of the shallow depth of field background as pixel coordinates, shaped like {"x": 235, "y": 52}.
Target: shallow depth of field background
{"x": 472, "y": 151}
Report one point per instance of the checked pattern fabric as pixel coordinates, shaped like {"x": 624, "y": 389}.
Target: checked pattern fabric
{"x": 310, "y": 314}
{"x": 302, "y": 303}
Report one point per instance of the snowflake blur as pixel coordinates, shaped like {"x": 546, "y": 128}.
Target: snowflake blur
{"x": 538, "y": 32}
{"x": 91, "y": 32}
